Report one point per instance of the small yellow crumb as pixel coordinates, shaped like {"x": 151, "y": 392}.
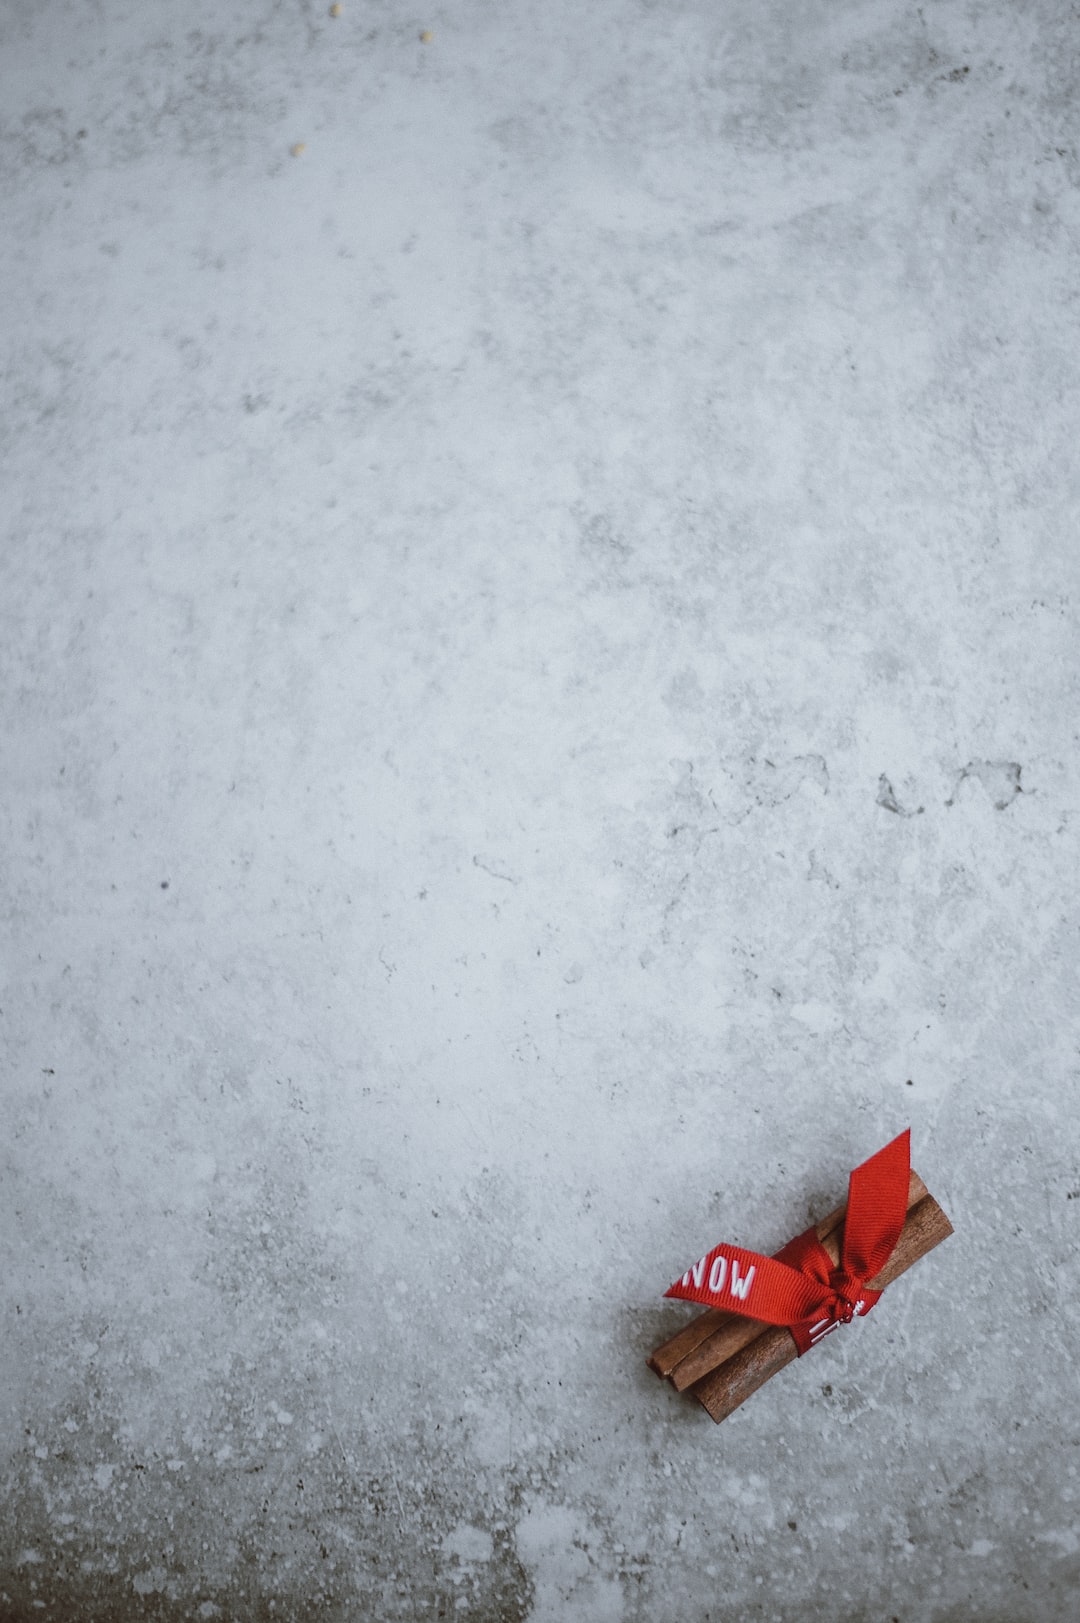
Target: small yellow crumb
{"x": 426, "y": 37}
{"x": 336, "y": 10}
{"x": 299, "y": 149}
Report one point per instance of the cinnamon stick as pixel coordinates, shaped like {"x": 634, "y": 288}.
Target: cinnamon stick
{"x": 665, "y": 1358}
{"x": 715, "y": 1335}
{"x": 732, "y": 1382}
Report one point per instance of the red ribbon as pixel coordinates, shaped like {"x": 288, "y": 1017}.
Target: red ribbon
{"x": 799, "y": 1287}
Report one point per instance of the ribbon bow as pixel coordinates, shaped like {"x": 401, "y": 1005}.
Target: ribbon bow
{"x": 800, "y": 1287}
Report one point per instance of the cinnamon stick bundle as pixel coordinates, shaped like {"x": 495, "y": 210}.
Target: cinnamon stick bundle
{"x": 733, "y": 1381}
{"x": 722, "y": 1358}
{"x": 715, "y": 1335}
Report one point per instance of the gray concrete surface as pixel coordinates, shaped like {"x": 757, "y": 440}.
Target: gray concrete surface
{"x": 539, "y": 727}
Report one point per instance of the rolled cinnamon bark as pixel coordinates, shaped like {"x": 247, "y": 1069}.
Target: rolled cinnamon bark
{"x": 665, "y": 1358}
{"x": 732, "y": 1382}
{"x": 715, "y": 1335}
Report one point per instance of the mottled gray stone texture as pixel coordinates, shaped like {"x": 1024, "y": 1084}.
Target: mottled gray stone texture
{"x": 539, "y": 588}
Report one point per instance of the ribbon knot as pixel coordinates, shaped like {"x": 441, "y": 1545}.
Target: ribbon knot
{"x": 846, "y": 1304}
{"x": 800, "y": 1287}
{"x": 842, "y": 1309}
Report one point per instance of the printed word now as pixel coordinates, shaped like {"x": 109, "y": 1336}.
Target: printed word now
{"x": 738, "y": 1284}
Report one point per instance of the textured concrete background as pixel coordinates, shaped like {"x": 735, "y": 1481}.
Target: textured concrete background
{"x": 540, "y": 673}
